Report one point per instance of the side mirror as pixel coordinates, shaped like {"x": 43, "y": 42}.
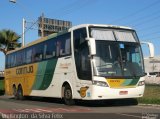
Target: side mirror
{"x": 92, "y": 45}
{"x": 151, "y": 48}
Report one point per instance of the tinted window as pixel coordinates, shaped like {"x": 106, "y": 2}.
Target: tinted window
{"x": 12, "y": 60}
{"x": 81, "y": 52}
{"x": 37, "y": 52}
{"x": 28, "y": 55}
{"x": 50, "y": 49}
{"x": 63, "y": 46}
{"x": 55, "y": 47}
{"x": 79, "y": 37}
{"x": 8, "y": 61}
{"x": 20, "y": 58}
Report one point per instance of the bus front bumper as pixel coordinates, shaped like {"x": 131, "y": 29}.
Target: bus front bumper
{"x": 102, "y": 93}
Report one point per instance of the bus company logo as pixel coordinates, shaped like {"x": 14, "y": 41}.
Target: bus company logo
{"x": 115, "y": 81}
{"x": 83, "y": 91}
{"x": 24, "y": 70}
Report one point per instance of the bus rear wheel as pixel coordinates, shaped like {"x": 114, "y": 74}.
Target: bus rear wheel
{"x": 15, "y": 93}
{"x": 20, "y": 93}
{"x": 68, "y": 96}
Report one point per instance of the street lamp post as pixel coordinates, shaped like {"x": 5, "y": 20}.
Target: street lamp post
{"x": 13, "y": 1}
{"x": 23, "y": 26}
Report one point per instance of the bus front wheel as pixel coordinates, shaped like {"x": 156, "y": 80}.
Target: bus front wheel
{"x": 68, "y": 96}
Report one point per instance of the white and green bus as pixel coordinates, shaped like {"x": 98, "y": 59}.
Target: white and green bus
{"x": 88, "y": 62}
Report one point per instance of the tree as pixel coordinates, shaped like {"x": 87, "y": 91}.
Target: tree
{"x": 8, "y": 40}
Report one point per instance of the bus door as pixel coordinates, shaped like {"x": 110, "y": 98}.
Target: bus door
{"x": 82, "y": 59}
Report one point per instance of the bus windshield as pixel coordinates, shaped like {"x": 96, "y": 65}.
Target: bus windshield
{"x": 117, "y": 56}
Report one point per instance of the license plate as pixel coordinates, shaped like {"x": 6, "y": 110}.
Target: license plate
{"x": 123, "y": 92}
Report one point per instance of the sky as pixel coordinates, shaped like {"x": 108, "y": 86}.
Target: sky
{"x": 141, "y": 15}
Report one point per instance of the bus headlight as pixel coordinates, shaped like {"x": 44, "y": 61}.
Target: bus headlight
{"x": 141, "y": 83}
{"x": 100, "y": 83}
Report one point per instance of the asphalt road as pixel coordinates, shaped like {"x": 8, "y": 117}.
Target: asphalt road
{"x": 50, "y": 108}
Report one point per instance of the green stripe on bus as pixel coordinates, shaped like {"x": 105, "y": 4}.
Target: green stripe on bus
{"x": 39, "y": 75}
{"x": 134, "y": 82}
{"x": 127, "y": 82}
{"x": 44, "y": 74}
{"x": 50, "y": 68}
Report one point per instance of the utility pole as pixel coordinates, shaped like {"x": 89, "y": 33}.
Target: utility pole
{"x": 42, "y": 25}
{"x": 23, "y": 31}
{"x": 23, "y": 26}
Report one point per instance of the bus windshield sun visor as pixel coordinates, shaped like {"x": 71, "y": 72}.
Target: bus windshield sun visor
{"x": 113, "y": 35}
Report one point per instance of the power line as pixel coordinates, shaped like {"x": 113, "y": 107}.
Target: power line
{"x": 151, "y": 33}
{"x": 149, "y": 28}
{"x": 33, "y": 23}
{"x": 29, "y": 27}
{"x": 77, "y": 7}
{"x": 138, "y": 11}
{"x": 152, "y": 38}
{"x": 145, "y": 16}
{"x": 83, "y": 4}
{"x": 146, "y": 21}
{"x": 30, "y": 13}
{"x": 68, "y": 6}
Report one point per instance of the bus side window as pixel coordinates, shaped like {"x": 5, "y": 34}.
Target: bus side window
{"x": 6, "y": 62}
{"x": 38, "y": 52}
{"x": 63, "y": 45}
{"x": 9, "y": 61}
{"x": 28, "y": 55}
{"x": 67, "y": 44}
{"x": 12, "y": 60}
{"x": 20, "y": 58}
{"x": 57, "y": 47}
{"x": 50, "y": 48}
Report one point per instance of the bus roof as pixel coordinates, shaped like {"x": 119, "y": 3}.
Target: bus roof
{"x": 72, "y": 28}
{"x": 99, "y": 25}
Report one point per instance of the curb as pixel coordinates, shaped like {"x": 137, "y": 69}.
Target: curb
{"x": 153, "y": 105}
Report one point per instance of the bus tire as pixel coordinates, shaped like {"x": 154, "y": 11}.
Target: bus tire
{"x": 15, "y": 92}
{"x": 68, "y": 95}
{"x": 20, "y": 93}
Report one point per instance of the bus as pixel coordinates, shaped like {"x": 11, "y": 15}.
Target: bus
{"x": 87, "y": 62}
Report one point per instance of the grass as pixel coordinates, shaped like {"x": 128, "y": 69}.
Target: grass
{"x": 1, "y": 87}
{"x": 1, "y": 84}
{"x": 151, "y": 95}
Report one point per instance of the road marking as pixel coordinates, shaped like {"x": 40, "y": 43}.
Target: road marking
{"x": 45, "y": 110}
{"x": 26, "y": 110}
{"x": 21, "y": 110}
{"x": 129, "y": 115}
